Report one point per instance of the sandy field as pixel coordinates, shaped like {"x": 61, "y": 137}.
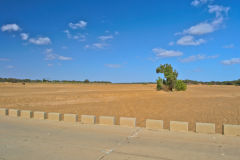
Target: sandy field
{"x": 200, "y": 103}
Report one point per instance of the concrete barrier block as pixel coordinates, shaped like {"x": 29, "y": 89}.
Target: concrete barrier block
{"x": 88, "y": 119}
{"x": 205, "y": 128}
{"x": 3, "y": 111}
{"x": 154, "y": 124}
{"x": 54, "y": 116}
{"x": 107, "y": 120}
{"x": 70, "y": 117}
{"x": 39, "y": 115}
{"x": 26, "y": 114}
{"x": 14, "y": 112}
{"x": 127, "y": 122}
{"x": 231, "y": 130}
{"x": 178, "y": 126}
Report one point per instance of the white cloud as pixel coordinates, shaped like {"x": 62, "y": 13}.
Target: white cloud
{"x": 77, "y": 36}
{"x": 80, "y": 24}
{"x": 196, "y": 3}
{"x": 49, "y": 50}
{"x": 116, "y": 33}
{"x": 113, "y": 65}
{"x": 231, "y": 61}
{"x": 190, "y": 41}
{"x": 197, "y": 57}
{"x": 163, "y": 53}
{"x": 99, "y": 45}
{"x": 229, "y": 46}
{"x": 217, "y": 22}
{"x": 9, "y": 67}
{"x": 203, "y": 27}
{"x": 24, "y": 36}
{"x": 4, "y": 59}
{"x": 103, "y": 38}
{"x": 49, "y": 65}
{"x": 218, "y": 10}
{"x": 40, "y": 40}
{"x": 10, "y": 27}
{"x": 192, "y": 58}
{"x": 64, "y": 58}
{"x": 51, "y": 56}
{"x": 68, "y": 33}
{"x": 80, "y": 37}
{"x": 199, "y": 29}
{"x": 208, "y": 27}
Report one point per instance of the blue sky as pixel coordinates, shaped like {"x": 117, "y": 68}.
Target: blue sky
{"x": 119, "y": 41}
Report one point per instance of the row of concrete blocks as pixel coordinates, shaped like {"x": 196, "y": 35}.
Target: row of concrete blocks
{"x": 86, "y": 119}
{"x": 209, "y": 128}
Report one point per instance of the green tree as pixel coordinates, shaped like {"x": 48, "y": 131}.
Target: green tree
{"x": 169, "y": 74}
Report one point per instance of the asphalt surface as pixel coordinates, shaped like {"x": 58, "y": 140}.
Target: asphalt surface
{"x": 46, "y": 140}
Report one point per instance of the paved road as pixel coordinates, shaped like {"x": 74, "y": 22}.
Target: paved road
{"x": 45, "y": 140}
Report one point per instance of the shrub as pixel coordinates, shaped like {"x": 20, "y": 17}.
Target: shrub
{"x": 180, "y": 86}
{"x": 159, "y": 83}
{"x": 86, "y": 81}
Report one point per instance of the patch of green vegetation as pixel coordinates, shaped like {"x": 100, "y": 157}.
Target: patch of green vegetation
{"x": 159, "y": 83}
{"x": 180, "y": 85}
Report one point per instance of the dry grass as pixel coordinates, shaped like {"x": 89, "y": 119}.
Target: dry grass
{"x": 200, "y": 103}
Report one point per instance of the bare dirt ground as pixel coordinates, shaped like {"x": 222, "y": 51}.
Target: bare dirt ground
{"x": 200, "y": 103}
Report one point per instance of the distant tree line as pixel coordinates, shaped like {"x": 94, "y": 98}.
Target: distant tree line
{"x": 235, "y": 82}
{"x": 16, "y": 80}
